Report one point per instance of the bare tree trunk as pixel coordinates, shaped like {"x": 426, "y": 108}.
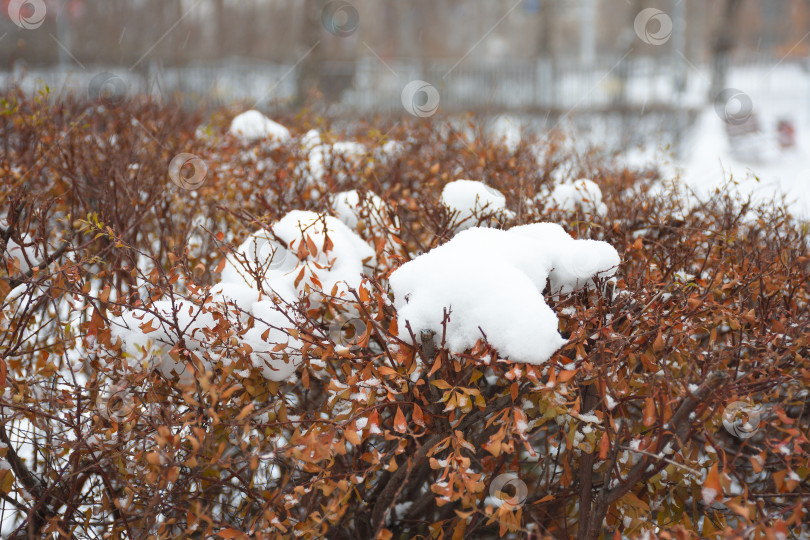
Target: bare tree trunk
{"x": 724, "y": 42}
{"x": 308, "y": 76}
{"x": 222, "y": 32}
{"x": 545, "y": 42}
{"x": 627, "y": 41}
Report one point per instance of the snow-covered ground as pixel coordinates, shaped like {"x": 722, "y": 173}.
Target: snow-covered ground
{"x": 756, "y": 165}
{"x": 763, "y": 170}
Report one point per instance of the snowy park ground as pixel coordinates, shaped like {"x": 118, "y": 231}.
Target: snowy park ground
{"x": 782, "y": 92}
{"x": 706, "y": 159}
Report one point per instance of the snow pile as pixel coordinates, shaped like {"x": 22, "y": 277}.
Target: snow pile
{"x": 575, "y": 262}
{"x": 268, "y": 332}
{"x": 21, "y": 258}
{"x": 301, "y": 253}
{"x": 491, "y": 281}
{"x": 321, "y": 156}
{"x": 389, "y": 151}
{"x": 149, "y": 335}
{"x": 372, "y": 218}
{"x": 356, "y": 209}
{"x": 473, "y": 202}
{"x": 350, "y": 151}
{"x": 252, "y": 126}
{"x": 327, "y": 252}
{"x": 507, "y": 131}
{"x": 582, "y": 194}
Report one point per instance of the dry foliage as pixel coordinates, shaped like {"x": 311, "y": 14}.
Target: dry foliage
{"x": 620, "y": 433}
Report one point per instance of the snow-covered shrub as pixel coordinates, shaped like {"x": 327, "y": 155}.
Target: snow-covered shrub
{"x": 252, "y": 126}
{"x": 581, "y": 195}
{"x": 265, "y": 357}
{"x": 373, "y": 219}
{"x": 509, "y": 271}
{"x": 322, "y": 157}
{"x": 472, "y": 203}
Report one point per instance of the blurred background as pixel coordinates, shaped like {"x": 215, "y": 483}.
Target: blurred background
{"x": 704, "y": 79}
{"x": 490, "y": 55}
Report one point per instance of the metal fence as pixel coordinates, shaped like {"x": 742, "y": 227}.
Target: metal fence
{"x": 371, "y": 85}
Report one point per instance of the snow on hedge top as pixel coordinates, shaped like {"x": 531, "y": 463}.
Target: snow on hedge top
{"x": 372, "y": 218}
{"x": 253, "y": 126}
{"x": 472, "y": 200}
{"x": 506, "y": 131}
{"x": 302, "y": 249}
{"x": 575, "y": 263}
{"x": 321, "y": 156}
{"x": 298, "y": 243}
{"x": 148, "y": 335}
{"x": 350, "y": 207}
{"x": 491, "y": 282}
{"x": 582, "y": 194}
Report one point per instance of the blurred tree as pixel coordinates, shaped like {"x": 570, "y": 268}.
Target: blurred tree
{"x": 222, "y": 32}
{"x": 545, "y": 43}
{"x": 309, "y": 69}
{"x": 723, "y": 44}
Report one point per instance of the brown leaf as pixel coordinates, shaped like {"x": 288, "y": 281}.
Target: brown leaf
{"x": 351, "y": 434}
{"x": 400, "y": 424}
{"x": 300, "y": 276}
{"x": 313, "y": 249}
{"x": 302, "y": 252}
{"x": 604, "y": 446}
{"x": 649, "y": 411}
{"x": 418, "y": 417}
{"x": 231, "y": 533}
{"x": 327, "y": 244}
{"x": 711, "y": 489}
{"x": 147, "y": 326}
